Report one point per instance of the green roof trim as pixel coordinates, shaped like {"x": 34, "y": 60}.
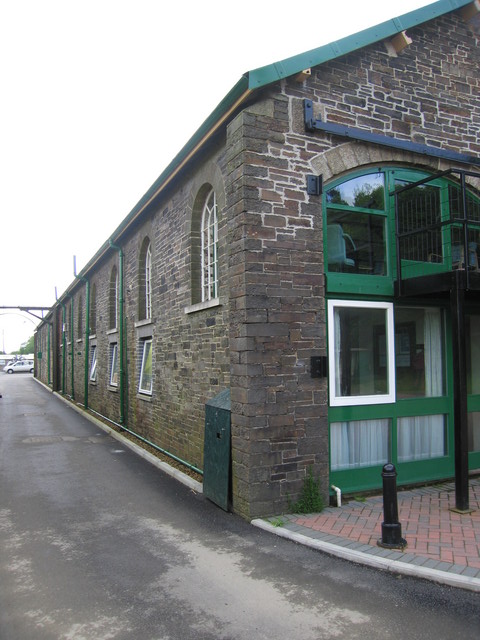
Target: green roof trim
{"x": 291, "y": 66}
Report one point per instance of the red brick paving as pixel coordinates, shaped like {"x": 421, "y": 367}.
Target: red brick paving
{"x": 431, "y": 528}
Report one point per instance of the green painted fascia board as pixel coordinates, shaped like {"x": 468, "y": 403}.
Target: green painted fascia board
{"x": 291, "y": 66}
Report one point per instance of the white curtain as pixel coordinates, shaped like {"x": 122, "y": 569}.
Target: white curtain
{"x": 423, "y": 437}
{"x": 432, "y": 336}
{"x": 358, "y": 443}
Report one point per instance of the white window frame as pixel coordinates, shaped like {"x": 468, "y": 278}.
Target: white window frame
{"x": 93, "y": 364}
{"x": 141, "y": 389}
{"x": 209, "y": 248}
{"x": 148, "y": 283}
{"x": 339, "y": 401}
{"x": 114, "y": 365}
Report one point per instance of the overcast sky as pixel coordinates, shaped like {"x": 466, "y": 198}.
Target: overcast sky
{"x": 97, "y": 96}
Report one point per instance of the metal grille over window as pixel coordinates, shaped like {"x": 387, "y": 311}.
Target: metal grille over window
{"x": 419, "y": 223}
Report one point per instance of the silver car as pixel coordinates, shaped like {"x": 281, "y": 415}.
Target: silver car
{"x": 20, "y": 366}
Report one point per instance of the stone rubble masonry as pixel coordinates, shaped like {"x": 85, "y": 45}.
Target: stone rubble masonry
{"x": 271, "y": 319}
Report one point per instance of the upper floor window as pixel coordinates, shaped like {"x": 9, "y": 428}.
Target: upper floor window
{"x": 80, "y": 318}
{"x": 93, "y": 309}
{"x": 148, "y": 283}
{"x": 356, "y": 226}
{"x": 113, "y": 299}
{"x": 145, "y": 281}
{"x": 209, "y": 248}
{"x": 363, "y": 218}
{"x": 70, "y": 320}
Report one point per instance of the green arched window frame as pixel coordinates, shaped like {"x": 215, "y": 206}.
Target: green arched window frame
{"x": 359, "y": 229}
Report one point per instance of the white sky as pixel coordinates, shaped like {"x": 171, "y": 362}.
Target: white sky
{"x": 97, "y": 96}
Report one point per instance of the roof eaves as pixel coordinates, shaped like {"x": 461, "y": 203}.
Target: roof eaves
{"x": 291, "y": 66}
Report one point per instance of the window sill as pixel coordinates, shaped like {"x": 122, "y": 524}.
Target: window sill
{"x": 200, "y": 306}
{"x": 144, "y": 396}
{"x": 143, "y": 323}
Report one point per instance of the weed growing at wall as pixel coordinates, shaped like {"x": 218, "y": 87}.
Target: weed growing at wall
{"x": 310, "y": 500}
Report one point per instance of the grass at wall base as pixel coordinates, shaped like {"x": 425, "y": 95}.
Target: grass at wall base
{"x": 310, "y": 500}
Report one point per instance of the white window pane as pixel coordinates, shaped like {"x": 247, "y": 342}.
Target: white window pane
{"x": 146, "y": 370}
{"x": 93, "y": 365}
{"x": 114, "y": 366}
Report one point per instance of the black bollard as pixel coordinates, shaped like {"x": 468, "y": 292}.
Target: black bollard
{"x": 391, "y": 528}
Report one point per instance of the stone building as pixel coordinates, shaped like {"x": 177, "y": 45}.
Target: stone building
{"x": 271, "y": 259}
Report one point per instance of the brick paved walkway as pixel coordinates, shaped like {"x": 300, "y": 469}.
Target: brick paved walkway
{"x": 436, "y": 536}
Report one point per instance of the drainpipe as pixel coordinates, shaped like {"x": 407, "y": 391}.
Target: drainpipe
{"x": 49, "y": 330}
{"x": 338, "y": 491}
{"x": 87, "y": 329}
{"x": 120, "y": 330}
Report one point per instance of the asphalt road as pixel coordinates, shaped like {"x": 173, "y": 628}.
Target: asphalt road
{"x": 97, "y": 544}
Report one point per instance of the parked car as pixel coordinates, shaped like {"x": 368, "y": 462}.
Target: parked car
{"x": 20, "y": 366}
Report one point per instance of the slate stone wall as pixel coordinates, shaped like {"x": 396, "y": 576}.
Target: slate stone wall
{"x": 270, "y": 320}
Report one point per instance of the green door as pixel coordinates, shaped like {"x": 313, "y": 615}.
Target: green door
{"x": 216, "y": 457}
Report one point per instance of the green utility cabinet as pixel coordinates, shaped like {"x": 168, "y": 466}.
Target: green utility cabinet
{"x": 217, "y": 449}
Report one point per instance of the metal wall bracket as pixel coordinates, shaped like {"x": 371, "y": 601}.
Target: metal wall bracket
{"x": 318, "y": 366}
{"x": 313, "y": 124}
{"x": 314, "y": 185}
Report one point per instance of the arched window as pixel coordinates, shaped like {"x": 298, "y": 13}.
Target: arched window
{"x": 145, "y": 281}
{"x": 113, "y": 299}
{"x": 93, "y": 309}
{"x": 70, "y": 320}
{"x": 80, "y": 318}
{"x": 368, "y": 237}
{"x": 209, "y": 248}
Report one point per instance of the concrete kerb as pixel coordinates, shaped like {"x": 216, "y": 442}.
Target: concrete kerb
{"x": 191, "y": 483}
{"x": 374, "y": 561}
